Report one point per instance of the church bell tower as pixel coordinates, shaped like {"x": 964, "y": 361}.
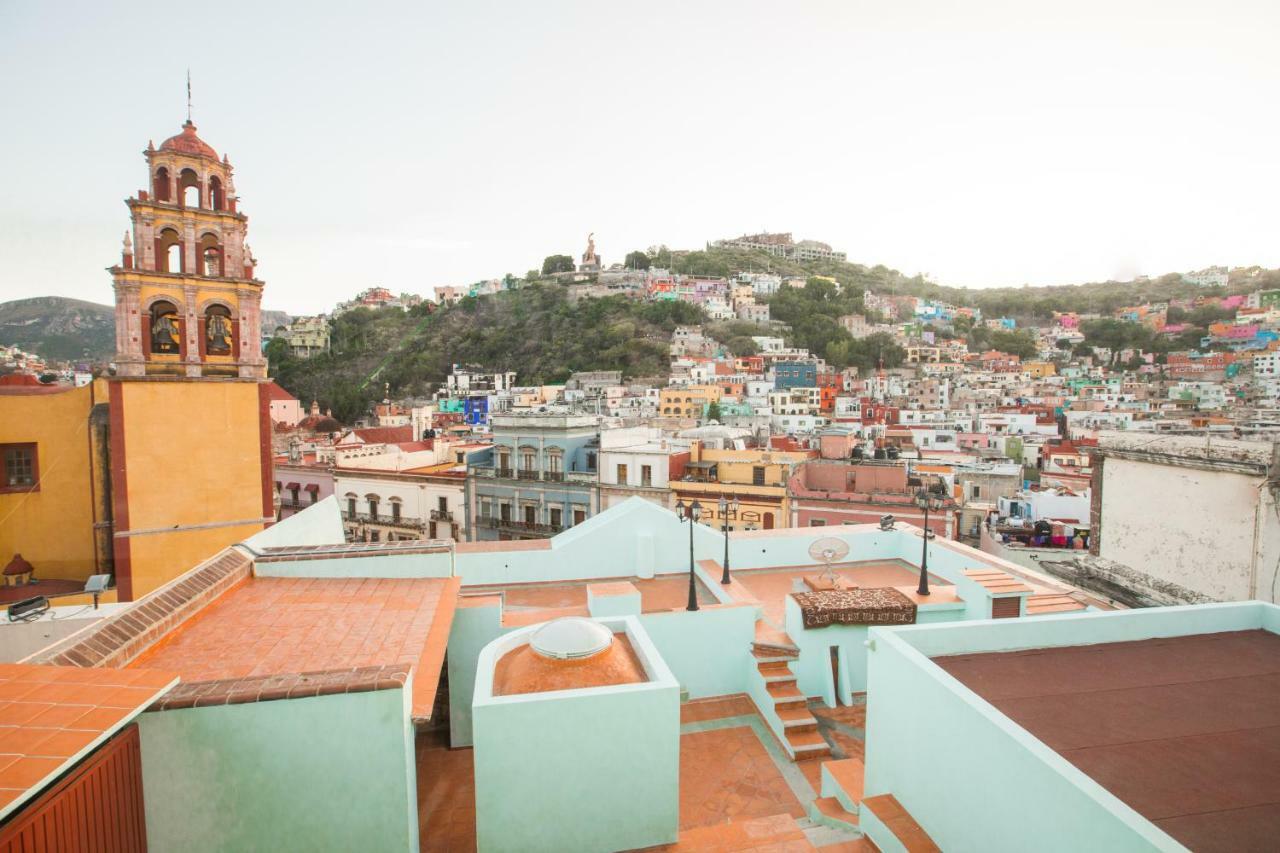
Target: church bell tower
{"x": 187, "y": 301}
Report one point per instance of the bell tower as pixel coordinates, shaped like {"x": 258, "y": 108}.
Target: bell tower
{"x": 187, "y": 301}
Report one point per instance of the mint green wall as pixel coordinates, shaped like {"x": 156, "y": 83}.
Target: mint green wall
{"x": 594, "y": 769}
{"x": 323, "y": 773}
{"x": 813, "y": 667}
{"x": 318, "y": 524}
{"x": 961, "y": 767}
{"x": 601, "y": 606}
{"x": 473, "y": 628}
{"x": 708, "y": 650}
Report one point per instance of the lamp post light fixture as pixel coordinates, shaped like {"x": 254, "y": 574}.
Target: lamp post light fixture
{"x": 691, "y": 513}
{"x": 726, "y": 507}
{"x": 926, "y": 500}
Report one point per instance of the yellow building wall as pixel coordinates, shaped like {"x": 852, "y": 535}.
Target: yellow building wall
{"x": 193, "y": 468}
{"x": 51, "y": 527}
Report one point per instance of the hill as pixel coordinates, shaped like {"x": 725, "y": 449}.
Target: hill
{"x": 59, "y": 328}
{"x": 537, "y": 331}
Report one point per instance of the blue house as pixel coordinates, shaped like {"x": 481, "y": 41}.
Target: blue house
{"x": 795, "y": 374}
{"x": 538, "y": 479}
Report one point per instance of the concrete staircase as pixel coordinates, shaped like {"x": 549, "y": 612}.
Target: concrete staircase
{"x": 782, "y": 705}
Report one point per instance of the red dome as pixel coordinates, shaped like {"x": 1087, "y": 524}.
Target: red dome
{"x": 188, "y": 143}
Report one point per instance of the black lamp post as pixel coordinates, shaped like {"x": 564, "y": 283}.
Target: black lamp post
{"x": 726, "y": 507}
{"x": 690, "y": 513}
{"x": 926, "y": 500}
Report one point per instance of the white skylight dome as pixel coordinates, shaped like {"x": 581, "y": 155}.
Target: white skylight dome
{"x": 571, "y": 638}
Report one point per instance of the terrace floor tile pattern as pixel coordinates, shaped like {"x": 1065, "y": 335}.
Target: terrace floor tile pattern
{"x": 446, "y": 796}
{"x": 276, "y": 626}
{"x": 1185, "y": 730}
{"x": 726, "y": 775}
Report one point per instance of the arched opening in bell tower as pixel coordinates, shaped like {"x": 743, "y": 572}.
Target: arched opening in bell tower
{"x": 164, "y": 334}
{"x": 216, "y": 200}
{"x": 189, "y": 187}
{"x": 169, "y": 251}
{"x": 161, "y": 184}
{"x": 211, "y": 256}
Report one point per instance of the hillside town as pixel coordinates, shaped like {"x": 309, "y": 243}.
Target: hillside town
{"x": 855, "y": 570}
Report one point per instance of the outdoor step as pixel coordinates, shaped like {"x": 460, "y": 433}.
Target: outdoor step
{"x": 776, "y": 649}
{"x": 797, "y": 719}
{"x": 805, "y": 745}
{"x": 775, "y": 673}
{"x": 763, "y": 656}
{"x": 785, "y": 693}
{"x": 885, "y": 811}
{"x": 829, "y": 811}
{"x": 843, "y": 779}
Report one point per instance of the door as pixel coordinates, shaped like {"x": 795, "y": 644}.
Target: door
{"x": 768, "y": 521}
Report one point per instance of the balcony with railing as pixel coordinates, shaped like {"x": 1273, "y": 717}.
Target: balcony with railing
{"x": 511, "y": 525}
{"x": 385, "y": 519}
{"x": 442, "y": 515}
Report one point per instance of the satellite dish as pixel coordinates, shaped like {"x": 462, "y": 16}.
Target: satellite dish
{"x": 828, "y": 550}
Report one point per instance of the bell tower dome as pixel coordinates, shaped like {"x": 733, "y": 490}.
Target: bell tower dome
{"x": 187, "y": 301}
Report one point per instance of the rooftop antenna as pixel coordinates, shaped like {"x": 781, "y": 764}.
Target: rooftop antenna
{"x": 188, "y": 96}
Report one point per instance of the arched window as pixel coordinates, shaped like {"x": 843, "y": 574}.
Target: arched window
{"x": 395, "y": 509}
{"x": 160, "y": 187}
{"x": 166, "y": 329}
{"x": 218, "y": 334}
{"x": 169, "y": 251}
{"x": 373, "y": 505}
{"x": 216, "y": 200}
{"x": 210, "y": 254}
{"x": 351, "y": 504}
{"x": 189, "y": 188}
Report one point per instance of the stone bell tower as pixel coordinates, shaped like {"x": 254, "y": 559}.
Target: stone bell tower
{"x": 187, "y": 302}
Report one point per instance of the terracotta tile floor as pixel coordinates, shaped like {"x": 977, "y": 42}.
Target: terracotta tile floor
{"x": 772, "y": 587}
{"x": 718, "y": 708}
{"x": 446, "y": 796}
{"x": 665, "y": 592}
{"x": 725, "y": 775}
{"x": 273, "y": 626}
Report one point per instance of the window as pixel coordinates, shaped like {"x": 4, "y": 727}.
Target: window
{"x": 351, "y": 506}
{"x": 504, "y": 511}
{"x": 646, "y": 475}
{"x": 757, "y": 475}
{"x": 817, "y": 522}
{"x": 21, "y": 471}
{"x": 395, "y": 510}
{"x": 530, "y": 515}
{"x": 977, "y": 492}
{"x": 293, "y": 494}
{"x": 556, "y": 514}
{"x": 442, "y": 504}
{"x": 375, "y": 536}
{"x": 591, "y": 461}
{"x": 528, "y": 460}
{"x": 622, "y": 475}
{"x": 579, "y": 516}
{"x": 373, "y": 504}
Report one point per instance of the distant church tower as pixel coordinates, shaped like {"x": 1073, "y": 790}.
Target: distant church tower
{"x": 187, "y": 302}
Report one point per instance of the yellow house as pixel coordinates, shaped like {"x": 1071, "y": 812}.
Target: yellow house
{"x": 687, "y": 402}
{"x": 756, "y": 478}
{"x": 1039, "y": 369}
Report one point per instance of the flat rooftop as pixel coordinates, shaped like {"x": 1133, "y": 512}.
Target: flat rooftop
{"x": 1185, "y": 730}
{"x": 282, "y": 626}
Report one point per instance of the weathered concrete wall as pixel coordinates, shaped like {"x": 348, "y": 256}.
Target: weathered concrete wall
{"x": 1215, "y": 532}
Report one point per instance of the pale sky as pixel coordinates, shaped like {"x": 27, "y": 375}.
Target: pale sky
{"x": 422, "y": 144}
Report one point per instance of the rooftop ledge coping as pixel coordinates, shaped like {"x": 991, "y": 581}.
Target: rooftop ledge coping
{"x": 267, "y": 688}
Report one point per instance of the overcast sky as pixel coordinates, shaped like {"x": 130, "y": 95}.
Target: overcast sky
{"x": 423, "y": 144}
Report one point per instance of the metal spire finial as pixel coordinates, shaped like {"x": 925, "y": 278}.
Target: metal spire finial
{"x": 188, "y": 96}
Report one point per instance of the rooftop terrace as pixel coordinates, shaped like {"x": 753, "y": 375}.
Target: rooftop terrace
{"x": 1185, "y": 730}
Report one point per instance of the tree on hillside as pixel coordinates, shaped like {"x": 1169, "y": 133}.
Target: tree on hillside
{"x": 557, "y": 263}
{"x": 636, "y": 261}
{"x": 702, "y": 263}
{"x": 713, "y": 411}
{"x": 1020, "y": 343}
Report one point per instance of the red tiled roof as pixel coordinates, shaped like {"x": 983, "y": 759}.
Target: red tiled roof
{"x": 188, "y": 143}
{"x": 384, "y": 435}
{"x": 275, "y": 392}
